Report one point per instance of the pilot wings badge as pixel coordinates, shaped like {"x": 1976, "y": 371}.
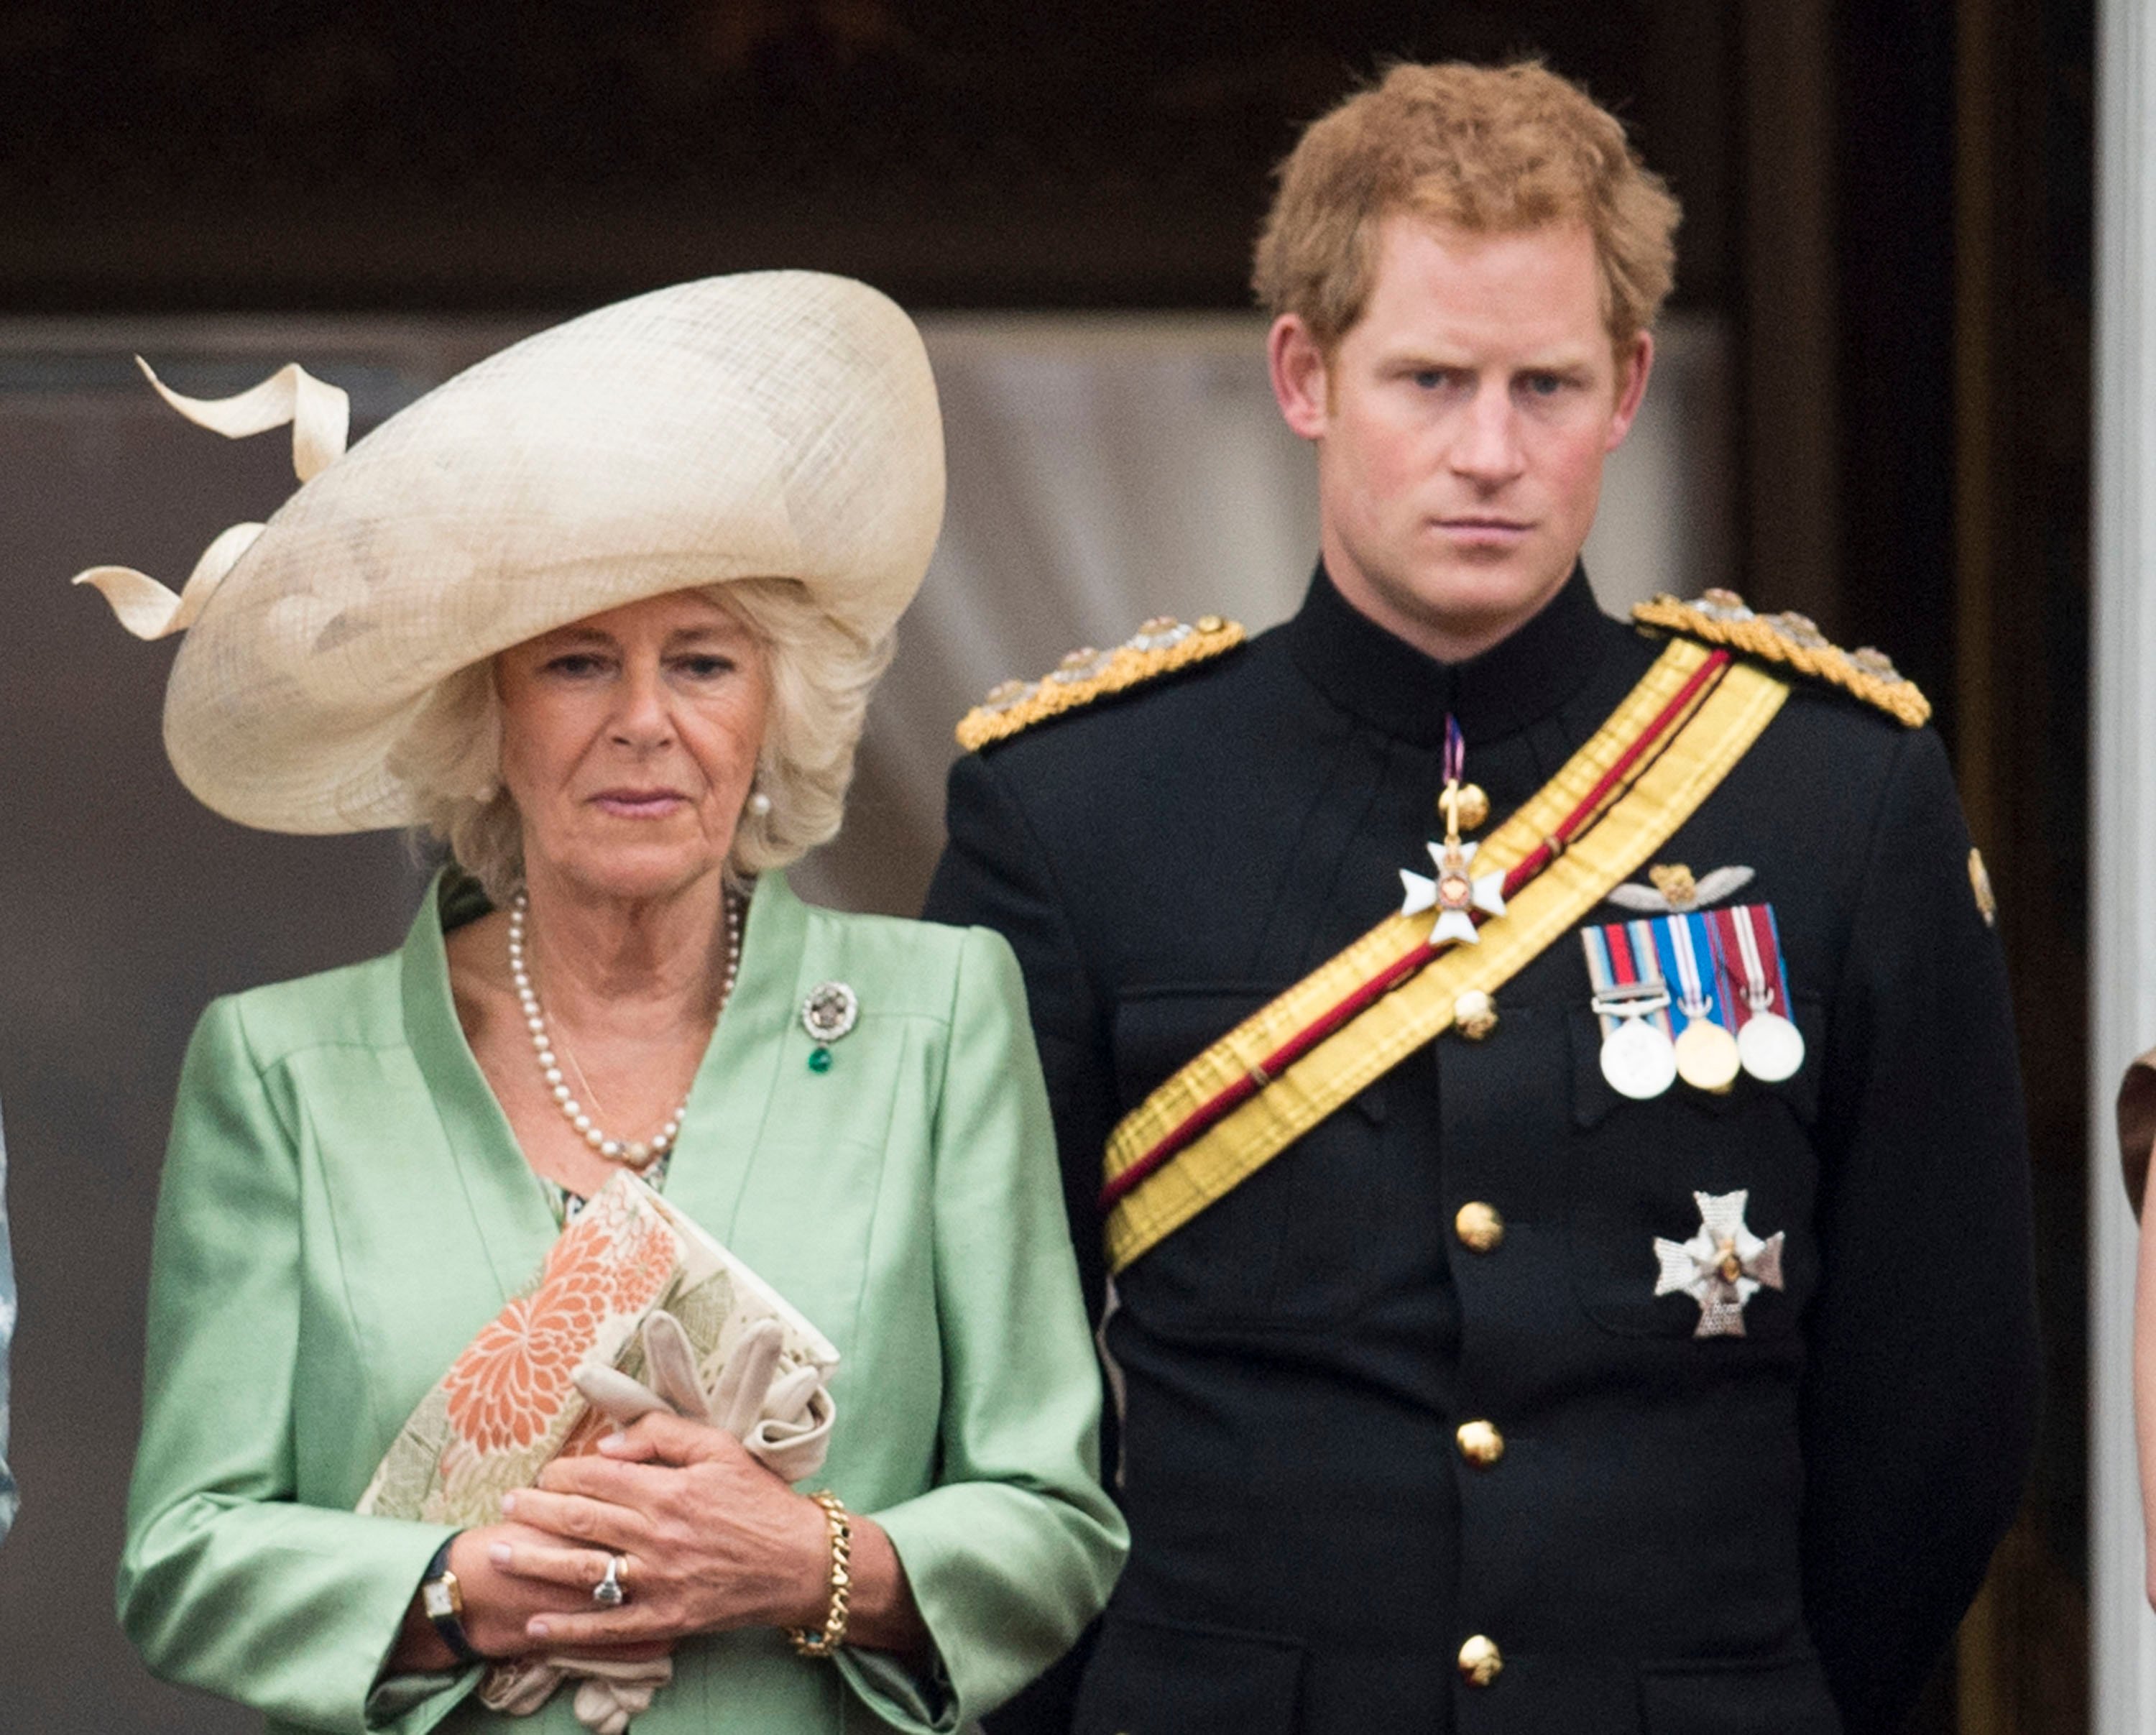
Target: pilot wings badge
{"x": 1674, "y": 890}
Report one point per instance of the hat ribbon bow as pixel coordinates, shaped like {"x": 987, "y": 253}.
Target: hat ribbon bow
{"x": 320, "y": 415}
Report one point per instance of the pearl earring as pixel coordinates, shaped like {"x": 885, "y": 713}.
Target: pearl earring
{"x": 759, "y": 804}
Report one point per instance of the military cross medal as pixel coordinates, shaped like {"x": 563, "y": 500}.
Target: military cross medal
{"x": 1457, "y": 891}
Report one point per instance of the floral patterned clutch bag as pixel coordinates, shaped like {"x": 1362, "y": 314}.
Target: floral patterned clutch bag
{"x": 508, "y": 1404}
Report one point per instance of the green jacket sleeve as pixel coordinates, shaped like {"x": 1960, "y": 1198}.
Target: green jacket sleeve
{"x": 1017, "y": 1548}
{"x": 228, "y": 1582}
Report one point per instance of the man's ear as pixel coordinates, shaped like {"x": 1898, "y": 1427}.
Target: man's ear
{"x": 1298, "y": 368}
{"x": 1632, "y": 372}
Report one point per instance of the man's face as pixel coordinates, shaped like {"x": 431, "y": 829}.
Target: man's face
{"x": 1460, "y": 425}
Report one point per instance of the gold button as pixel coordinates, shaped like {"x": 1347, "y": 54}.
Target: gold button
{"x": 1980, "y": 882}
{"x": 1479, "y": 1444}
{"x": 1210, "y": 623}
{"x": 1480, "y": 1662}
{"x": 1479, "y": 1227}
{"x": 1475, "y": 1014}
{"x": 1468, "y": 809}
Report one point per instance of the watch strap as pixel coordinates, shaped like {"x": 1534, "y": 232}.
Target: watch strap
{"x": 442, "y": 1600}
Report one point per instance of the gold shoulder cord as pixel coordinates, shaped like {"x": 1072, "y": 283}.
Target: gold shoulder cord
{"x": 1720, "y": 617}
{"x": 1161, "y": 646}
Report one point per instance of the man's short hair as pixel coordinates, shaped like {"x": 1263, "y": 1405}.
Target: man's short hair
{"x": 1489, "y": 149}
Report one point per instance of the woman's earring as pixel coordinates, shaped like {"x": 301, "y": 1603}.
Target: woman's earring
{"x": 759, "y": 804}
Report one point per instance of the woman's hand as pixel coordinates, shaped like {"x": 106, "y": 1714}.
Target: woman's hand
{"x": 709, "y": 1539}
{"x": 499, "y": 1606}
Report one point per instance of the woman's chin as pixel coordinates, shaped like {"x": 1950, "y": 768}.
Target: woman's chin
{"x": 631, "y": 875}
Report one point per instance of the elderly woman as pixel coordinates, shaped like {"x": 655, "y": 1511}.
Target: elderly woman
{"x": 602, "y": 614}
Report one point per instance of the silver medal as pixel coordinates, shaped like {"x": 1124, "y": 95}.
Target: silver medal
{"x": 1771, "y": 1048}
{"x": 1638, "y": 1061}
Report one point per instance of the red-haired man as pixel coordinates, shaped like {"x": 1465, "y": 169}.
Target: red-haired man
{"x": 1565, "y": 1192}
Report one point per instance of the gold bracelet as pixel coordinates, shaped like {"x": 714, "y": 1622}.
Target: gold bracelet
{"x": 824, "y": 1643}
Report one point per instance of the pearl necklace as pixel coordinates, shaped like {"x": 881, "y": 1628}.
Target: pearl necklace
{"x": 634, "y": 1153}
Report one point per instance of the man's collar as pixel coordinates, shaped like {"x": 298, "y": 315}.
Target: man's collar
{"x": 1387, "y": 682}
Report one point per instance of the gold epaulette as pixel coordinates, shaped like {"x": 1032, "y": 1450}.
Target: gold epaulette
{"x": 1160, "y": 646}
{"x": 1721, "y": 618}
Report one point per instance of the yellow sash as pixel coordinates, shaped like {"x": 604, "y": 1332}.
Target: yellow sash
{"x": 1704, "y": 749}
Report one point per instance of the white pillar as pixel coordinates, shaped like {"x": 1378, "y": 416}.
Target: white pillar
{"x": 2122, "y": 949}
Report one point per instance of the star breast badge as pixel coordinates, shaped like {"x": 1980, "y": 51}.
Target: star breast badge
{"x": 1722, "y": 1266}
{"x": 1455, "y": 894}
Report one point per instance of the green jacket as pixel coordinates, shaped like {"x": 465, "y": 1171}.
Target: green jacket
{"x": 343, "y": 1207}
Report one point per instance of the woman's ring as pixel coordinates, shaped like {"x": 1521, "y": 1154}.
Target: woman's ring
{"x": 611, "y": 1592}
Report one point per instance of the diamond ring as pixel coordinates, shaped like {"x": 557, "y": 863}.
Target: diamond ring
{"x": 610, "y": 1591}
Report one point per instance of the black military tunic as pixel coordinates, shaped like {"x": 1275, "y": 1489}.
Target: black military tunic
{"x": 1654, "y": 1532}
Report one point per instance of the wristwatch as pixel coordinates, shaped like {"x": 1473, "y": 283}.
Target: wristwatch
{"x": 442, "y": 1600}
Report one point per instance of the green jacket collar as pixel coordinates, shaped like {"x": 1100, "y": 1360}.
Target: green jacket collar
{"x": 727, "y": 1102}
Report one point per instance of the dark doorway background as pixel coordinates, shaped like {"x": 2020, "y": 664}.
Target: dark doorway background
{"x": 1889, "y": 202}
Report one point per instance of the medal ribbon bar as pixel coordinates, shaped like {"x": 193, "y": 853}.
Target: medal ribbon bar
{"x": 1626, "y": 969}
{"x": 1748, "y": 954}
{"x": 1686, "y": 939}
{"x": 1664, "y": 1009}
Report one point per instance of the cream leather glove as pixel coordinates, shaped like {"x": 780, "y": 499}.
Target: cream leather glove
{"x": 783, "y": 1420}
{"x": 609, "y": 1692}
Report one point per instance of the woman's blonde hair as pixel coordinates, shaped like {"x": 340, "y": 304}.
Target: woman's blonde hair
{"x": 821, "y": 673}
{"x": 1489, "y": 149}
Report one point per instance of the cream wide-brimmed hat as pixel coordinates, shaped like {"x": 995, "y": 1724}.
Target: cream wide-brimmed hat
{"x": 774, "y": 424}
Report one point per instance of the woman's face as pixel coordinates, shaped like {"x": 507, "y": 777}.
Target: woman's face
{"x": 628, "y": 742}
